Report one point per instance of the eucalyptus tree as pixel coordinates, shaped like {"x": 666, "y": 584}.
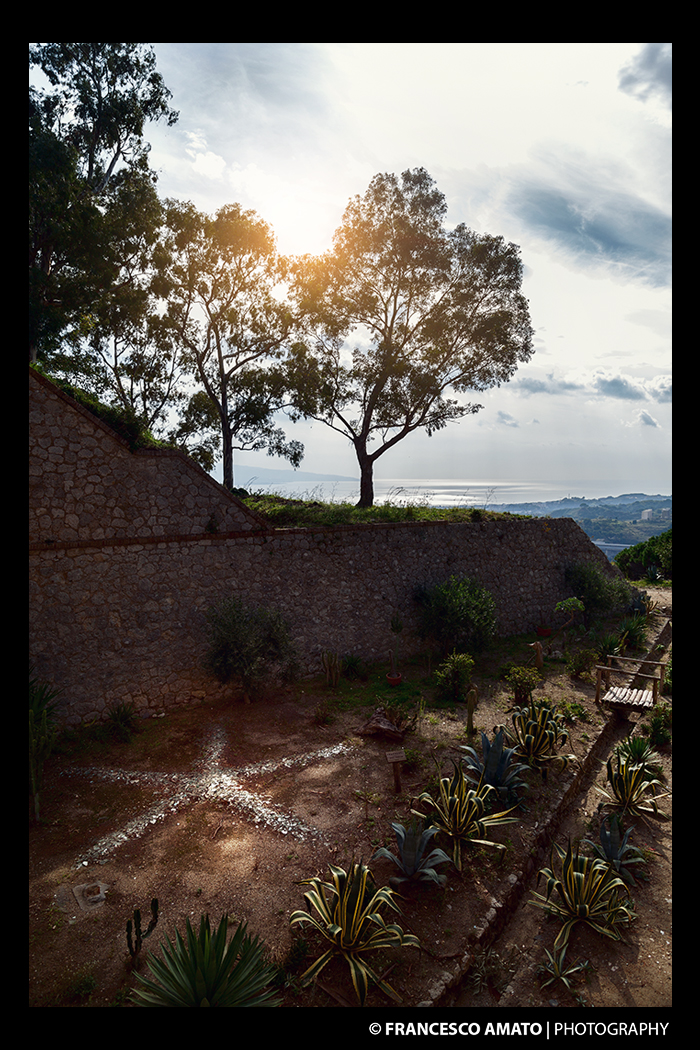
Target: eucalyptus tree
{"x": 433, "y": 312}
{"x": 224, "y": 306}
{"x": 86, "y": 138}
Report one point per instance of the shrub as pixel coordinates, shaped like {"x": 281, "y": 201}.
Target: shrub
{"x": 459, "y": 614}
{"x": 659, "y": 728}
{"x": 581, "y": 662}
{"x": 599, "y": 593}
{"x": 246, "y": 644}
{"x": 453, "y": 677}
{"x": 653, "y": 558}
{"x": 522, "y": 681}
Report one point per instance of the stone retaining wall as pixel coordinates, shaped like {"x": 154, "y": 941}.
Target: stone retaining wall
{"x": 128, "y": 551}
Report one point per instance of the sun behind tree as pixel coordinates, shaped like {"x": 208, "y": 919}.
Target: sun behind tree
{"x": 435, "y": 312}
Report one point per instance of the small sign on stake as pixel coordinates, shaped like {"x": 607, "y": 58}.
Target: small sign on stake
{"x": 395, "y": 758}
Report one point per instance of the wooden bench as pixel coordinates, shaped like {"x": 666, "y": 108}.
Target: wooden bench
{"x": 627, "y": 698}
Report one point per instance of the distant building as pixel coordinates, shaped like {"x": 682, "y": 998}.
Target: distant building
{"x": 647, "y": 515}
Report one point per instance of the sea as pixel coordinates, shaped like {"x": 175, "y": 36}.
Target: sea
{"x": 447, "y": 492}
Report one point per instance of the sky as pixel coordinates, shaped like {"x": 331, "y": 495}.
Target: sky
{"x": 561, "y": 148}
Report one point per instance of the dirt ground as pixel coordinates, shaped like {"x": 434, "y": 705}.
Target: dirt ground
{"x": 226, "y": 808}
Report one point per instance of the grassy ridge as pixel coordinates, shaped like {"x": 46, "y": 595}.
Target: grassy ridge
{"x": 296, "y": 513}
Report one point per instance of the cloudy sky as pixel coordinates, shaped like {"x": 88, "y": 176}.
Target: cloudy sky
{"x": 562, "y": 148}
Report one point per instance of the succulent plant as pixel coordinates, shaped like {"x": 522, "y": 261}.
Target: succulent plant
{"x": 630, "y": 787}
{"x": 586, "y": 891}
{"x": 413, "y": 860}
{"x": 203, "y": 970}
{"x": 499, "y": 768}
{"x": 615, "y": 850}
{"x": 348, "y": 916}
{"x": 460, "y": 813}
{"x": 538, "y": 730}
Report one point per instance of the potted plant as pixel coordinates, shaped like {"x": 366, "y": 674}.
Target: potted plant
{"x": 394, "y": 676}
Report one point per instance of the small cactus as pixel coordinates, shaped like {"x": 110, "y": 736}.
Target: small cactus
{"x": 134, "y": 934}
{"x": 331, "y": 666}
{"x": 472, "y": 699}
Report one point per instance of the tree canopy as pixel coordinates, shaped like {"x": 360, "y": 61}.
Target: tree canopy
{"x": 435, "y": 312}
{"x": 222, "y": 307}
{"x": 87, "y": 154}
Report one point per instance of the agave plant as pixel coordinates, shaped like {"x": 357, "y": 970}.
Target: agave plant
{"x": 636, "y": 750}
{"x": 460, "y": 812}
{"x": 633, "y": 631}
{"x": 203, "y": 970}
{"x": 499, "y": 769}
{"x": 555, "y": 969}
{"x": 538, "y": 730}
{"x": 413, "y": 861}
{"x": 615, "y": 850}
{"x": 630, "y": 784}
{"x": 348, "y": 910}
{"x": 588, "y": 892}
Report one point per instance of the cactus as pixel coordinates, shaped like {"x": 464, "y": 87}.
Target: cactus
{"x": 41, "y": 740}
{"x": 135, "y": 944}
{"x": 331, "y": 666}
{"x": 472, "y": 697}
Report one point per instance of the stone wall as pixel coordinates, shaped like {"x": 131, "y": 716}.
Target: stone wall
{"x": 125, "y": 561}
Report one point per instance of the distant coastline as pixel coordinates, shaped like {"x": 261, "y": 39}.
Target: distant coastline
{"x": 613, "y": 522}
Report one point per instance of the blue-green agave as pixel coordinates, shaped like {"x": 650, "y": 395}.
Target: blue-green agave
{"x": 615, "y": 850}
{"x": 499, "y": 768}
{"x": 413, "y": 860}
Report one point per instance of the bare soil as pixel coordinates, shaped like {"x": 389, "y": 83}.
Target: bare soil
{"x": 226, "y": 808}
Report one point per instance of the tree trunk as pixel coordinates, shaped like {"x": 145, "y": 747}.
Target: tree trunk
{"x": 227, "y": 445}
{"x": 366, "y": 480}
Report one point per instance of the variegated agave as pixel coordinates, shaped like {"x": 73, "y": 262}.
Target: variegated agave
{"x": 630, "y": 787}
{"x": 460, "y": 812}
{"x": 348, "y": 915}
{"x": 587, "y": 891}
{"x": 538, "y": 730}
{"x": 414, "y": 861}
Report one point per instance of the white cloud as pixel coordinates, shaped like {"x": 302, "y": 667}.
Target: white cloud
{"x": 643, "y": 419}
{"x": 649, "y": 74}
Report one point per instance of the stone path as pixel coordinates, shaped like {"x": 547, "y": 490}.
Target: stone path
{"x": 212, "y": 783}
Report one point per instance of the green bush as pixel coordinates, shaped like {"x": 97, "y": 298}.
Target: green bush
{"x": 458, "y": 614}
{"x": 247, "y": 644}
{"x": 600, "y": 594}
{"x": 453, "y": 677}
{"x": 654, "y": 556}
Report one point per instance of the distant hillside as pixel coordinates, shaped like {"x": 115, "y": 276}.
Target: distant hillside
{"x": 612, "y": 519}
